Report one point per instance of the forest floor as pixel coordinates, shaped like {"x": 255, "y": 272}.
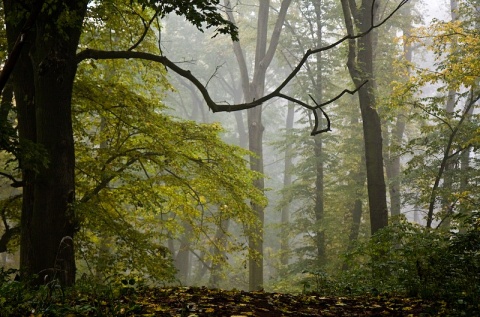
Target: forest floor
{"x": 197, "y": 302}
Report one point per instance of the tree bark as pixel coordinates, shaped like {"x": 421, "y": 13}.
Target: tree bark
{"x": 360, "y": 66}
{"x": 287, "y": 181}
{"x": 24, "y": 90}
{"x": 253, "y": 90}
{"x": 45, "y": 73}
{"x": 393, "y": 167}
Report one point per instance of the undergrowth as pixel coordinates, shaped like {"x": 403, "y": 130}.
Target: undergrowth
{"x": 403, "y": 260}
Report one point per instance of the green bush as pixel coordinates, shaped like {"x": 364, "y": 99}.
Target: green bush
{"x": 411, "y": 260}
{"x": 87, "y": 298}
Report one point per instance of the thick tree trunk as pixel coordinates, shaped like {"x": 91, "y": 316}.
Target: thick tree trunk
{"x": 48, "y": 220}
{"x": 24, "y": 90}
{"x": 374, "y": 161}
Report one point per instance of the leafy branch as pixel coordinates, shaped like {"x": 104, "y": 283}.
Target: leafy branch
{"x": 447, "y": 156}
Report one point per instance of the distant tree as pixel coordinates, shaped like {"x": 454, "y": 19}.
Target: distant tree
{"x": 254, "y": 89}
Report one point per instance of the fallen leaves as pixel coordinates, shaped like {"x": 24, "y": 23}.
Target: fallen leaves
{"x": 197, "y": 302}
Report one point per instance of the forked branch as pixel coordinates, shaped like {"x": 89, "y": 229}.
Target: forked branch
{"x": 216, "y": 107}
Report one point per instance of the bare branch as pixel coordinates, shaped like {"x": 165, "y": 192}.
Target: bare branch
{"x": 146, "y": 26}
{"x": 217, "y": 107}
{"x": 317, "y": 120}
{"x": 15, "y": 183}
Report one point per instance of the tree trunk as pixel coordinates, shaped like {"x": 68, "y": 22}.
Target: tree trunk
{"x": 48, "y": 220}
{"x": 287, "y": 181}
{"x": 255, "y": 238}
{"x": 182, "y": 261}
{"x": 360, "y": 66}
{"x": 357, "y": 182}
{"x": 393, "y": 161}
{"x": 219, "y": 256}
{"x": 253, "y": 90}
{"x": 318, "y": 148}
{"x": 450, "y": 166}
{"x": 23, "y": 85}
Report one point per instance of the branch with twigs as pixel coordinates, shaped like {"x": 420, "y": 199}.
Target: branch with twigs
{"x": 225, "y": 107}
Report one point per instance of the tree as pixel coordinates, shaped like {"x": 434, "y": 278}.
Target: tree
{"x": 360, "y": 65}
{"x": 43, "y": 82}
{"x": 287, "y": 181}
{"x": 447, "y": 131}
{"x": 394, "y": 116}
{"x": 140, "y": 193}
{"x": 254, "y": 89}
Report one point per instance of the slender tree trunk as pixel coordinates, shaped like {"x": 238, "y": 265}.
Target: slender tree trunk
{"x": 318, "y": 148}
{"x": 360, "y": 66}
{"x": 182, "y": 258}
{"x": 219, "y": 255}
{"x": 255, "y": 141}
{"x": 446, "y": 157}
{"x": 464, "y": 172}
{"x": 254, "y": 89}
{"x": 393, "y": 167}
{"x": 357, "y": 181}
{"x": 287, "y": 181}
{"x": 450, "y": 165}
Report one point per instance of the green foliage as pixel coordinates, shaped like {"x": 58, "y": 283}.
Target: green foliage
{"x": 146, "y": 181}
{"x": 88, "y": 298}
{"x": 408, "y": 259}
{"x": 13, "y": 297}
{"x": 197, "y": 12}
{"x": 442, "y": 123}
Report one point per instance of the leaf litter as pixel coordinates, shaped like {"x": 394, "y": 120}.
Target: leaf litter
{"x": 202, "y": 301}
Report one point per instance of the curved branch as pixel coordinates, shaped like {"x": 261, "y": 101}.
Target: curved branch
{"x": 15, "y": 183}
{"x": 145, "y": 31}
{"x": 317, "y": 120}
{"x": 446, "y": 156}
{"x": 216, "y": 107}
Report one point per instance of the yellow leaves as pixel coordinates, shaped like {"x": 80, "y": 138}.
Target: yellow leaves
{"x": 147, "y": 176}
{"x": 455, "y": 47}
{"x": 202, "y": 200}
